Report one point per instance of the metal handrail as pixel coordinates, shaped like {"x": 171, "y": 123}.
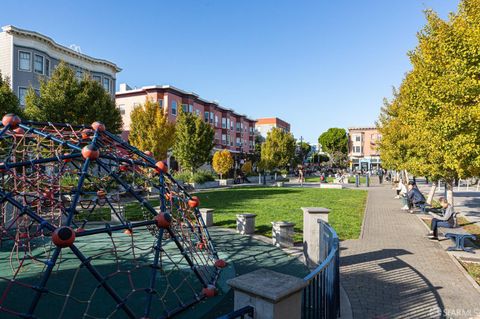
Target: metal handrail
{"x": 321, "y": 297}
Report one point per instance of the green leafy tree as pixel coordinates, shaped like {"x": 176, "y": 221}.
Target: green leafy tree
{"x": 247, "y": 167}
{"x": 335, "y": 142}
{"x": 302, "y": 152}
{"x": 150, "y": 129}
{"x": 320, "y": 158}
{"x": 222, "y": 162}
{"x": 63, "y": 98}
{"x": 193, "y": 141}
{"x": 278, "y": 150}
{"x": 434, "y": 119}
{"x": 8, "y": 99}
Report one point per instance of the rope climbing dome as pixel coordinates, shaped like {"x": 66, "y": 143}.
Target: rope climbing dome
{"x": 91, "y": 227}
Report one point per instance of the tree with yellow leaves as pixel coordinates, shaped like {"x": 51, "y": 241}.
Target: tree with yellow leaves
{"x": 151, "y": 130}
{"x": 432, "y": 125}
{"x": 222, "y": 162}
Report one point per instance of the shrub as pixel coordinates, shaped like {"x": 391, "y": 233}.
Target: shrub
{"x": 201, "y": 177}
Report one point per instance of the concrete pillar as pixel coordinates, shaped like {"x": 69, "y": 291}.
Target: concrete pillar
{"x": 114, "y": 218}
{"x": 246, "y": 224}
{"x": 282, "y": 234}
{"x": 207, "y": 215}
{"x": 311, "y": 233}
{"x": 272, "y": 295}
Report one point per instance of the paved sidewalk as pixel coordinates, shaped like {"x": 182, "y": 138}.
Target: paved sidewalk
{"x": 393, "y": 271}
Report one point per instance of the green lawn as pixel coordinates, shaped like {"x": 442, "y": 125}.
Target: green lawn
{"x": 473, "y": 269}
{"x": 277, "y": 204}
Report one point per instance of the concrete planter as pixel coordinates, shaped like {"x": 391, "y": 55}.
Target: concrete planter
{"x": 212, "y": 184}
{"x": 225, "y": 182}
{"x": 335, "y": 186}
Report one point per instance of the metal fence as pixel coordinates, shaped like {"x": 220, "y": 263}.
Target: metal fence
{"x": 321, "y": 298}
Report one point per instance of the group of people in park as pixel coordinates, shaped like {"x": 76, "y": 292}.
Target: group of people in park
{"x": 412, "y": 198}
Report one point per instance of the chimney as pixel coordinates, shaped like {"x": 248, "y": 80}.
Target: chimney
{"x": 124, "y": 87}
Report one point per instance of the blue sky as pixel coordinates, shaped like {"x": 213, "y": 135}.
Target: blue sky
{"x": 316, "y": 64}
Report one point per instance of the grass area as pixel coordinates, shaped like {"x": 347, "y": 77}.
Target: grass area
{"x": 283, "y": 204}
{"x": 473, "y": 269}
{"x": 351, "y": 179}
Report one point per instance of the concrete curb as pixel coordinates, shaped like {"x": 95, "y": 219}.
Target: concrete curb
{"x": 364, "y": 216}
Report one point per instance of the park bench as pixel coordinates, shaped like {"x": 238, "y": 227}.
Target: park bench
{"x": 458, "y": 235}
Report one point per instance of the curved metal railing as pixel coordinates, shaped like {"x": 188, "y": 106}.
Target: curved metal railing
{"x": 321, "y": 297}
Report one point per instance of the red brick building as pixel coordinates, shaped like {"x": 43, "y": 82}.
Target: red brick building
{"x": 233, "y": 131}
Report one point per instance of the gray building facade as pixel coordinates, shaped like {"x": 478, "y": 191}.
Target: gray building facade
{"x": 27, "y": 56}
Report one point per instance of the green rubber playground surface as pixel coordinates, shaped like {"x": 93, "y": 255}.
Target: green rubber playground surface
{"x": 247, "y": 255}
{"x": 73, "y": 292}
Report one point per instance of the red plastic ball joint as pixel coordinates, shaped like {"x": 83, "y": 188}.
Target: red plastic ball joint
{"x": 98, "y": 126}
{"x": 161, "y": 167}
{"x": 148, "y": 153}
{"x": 220, "y": 263}
{"x": 63, "y": 237}
{"x": 163, "y": 220}
{"x": 91, "y": 152}
{"x": 86, "y": 133}
{"x": 128, "y": 232}
{"x": 101, "y": 193}
{"x": 200, "y": 246}
{"x": 67, "y": 160}
{"x": 12, "y": 120}
{"x": 19, "y": 131}
{"x": 193, "y": 202}
{"x": 209, "y": 291}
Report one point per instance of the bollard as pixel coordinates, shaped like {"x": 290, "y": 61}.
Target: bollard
{"x": 207, "y": 215}
{"x": 311, "y": 233}
{"x": 273, "y": 295}
{"x": 246, "y": 224}
{"x": 282, "y": 234}
{"x": 117, "y": 219}
{"x": 357, "y": 180}
{"x": 367, "y": 180}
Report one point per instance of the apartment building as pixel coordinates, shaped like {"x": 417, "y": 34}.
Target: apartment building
{"x": 362, "y": 148}
{"x": 27, "y": 56}
{"x": 264, "y": 125}
{"x": 233, "y": 131}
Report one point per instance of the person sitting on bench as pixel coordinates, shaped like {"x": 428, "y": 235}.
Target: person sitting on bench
{"x": 414, "y": 196}
{"x": 447, "y": 220}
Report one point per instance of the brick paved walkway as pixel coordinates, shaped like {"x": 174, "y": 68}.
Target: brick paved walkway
{"x": 393, "y": 271}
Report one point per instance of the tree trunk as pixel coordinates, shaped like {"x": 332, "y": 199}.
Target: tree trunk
{"x": 431, "y": 193}
{"x": 449, "y": 187}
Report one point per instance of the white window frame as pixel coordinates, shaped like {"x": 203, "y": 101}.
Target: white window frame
{"x": 79, "y": 74}
{"x": 121, "y": 108}
{"x": 109, "y": 84}
{"x": 97, "y": 78}
{"x": 43, "y": 64}
{"x": 19, "y": 95}
{"x": 47, "y": 69}
{"x": 29, "y": 63}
